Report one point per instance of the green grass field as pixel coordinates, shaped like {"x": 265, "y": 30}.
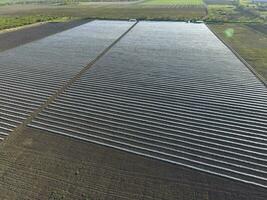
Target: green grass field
{"x": 248, "y": 42}
{"x": 12, "y": 22}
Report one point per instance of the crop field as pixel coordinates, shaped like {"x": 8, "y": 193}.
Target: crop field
{"x": 182, "y": 10}
{"x": 229, "y": 13}
{"x": 114, "y": 118}
{"x": 136, "y": 11}
{"x": 167, "y": 91}
{"x": 210, "y": 117}
{"x": 220, "y": 2}
{"x": 10, "y": 2}
{"x": 41, "y": 76}
{"x": 154, "y": 9}
{"x": 147, "y": 2}
{"x": 177, "y": 3}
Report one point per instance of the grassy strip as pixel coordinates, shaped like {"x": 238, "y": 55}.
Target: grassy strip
{"x": 13, "y": 21}
{"x": 249, "y": 43}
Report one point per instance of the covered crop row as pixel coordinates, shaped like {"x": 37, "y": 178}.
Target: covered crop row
{"x": 171, "y": 91}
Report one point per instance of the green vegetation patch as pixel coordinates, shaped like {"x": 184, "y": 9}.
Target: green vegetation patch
{"x": 16, "y": 21}
{"x": 231, "y": 13}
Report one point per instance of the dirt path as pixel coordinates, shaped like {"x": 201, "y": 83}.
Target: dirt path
{"x": 19, "y": 37}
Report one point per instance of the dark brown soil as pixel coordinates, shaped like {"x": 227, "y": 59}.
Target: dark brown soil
{"x": 19, "y": 37}
{"x": 39, "y": 165}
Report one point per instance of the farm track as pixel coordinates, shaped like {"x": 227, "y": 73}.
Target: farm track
{"x": 209, "y": 117}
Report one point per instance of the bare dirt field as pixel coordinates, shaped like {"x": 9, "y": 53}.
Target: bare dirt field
{"x": 25, "y": 35}
{"x": 39, "y": 165}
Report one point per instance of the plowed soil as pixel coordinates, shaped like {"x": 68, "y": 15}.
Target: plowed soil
{"x": 38, "y": 165}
